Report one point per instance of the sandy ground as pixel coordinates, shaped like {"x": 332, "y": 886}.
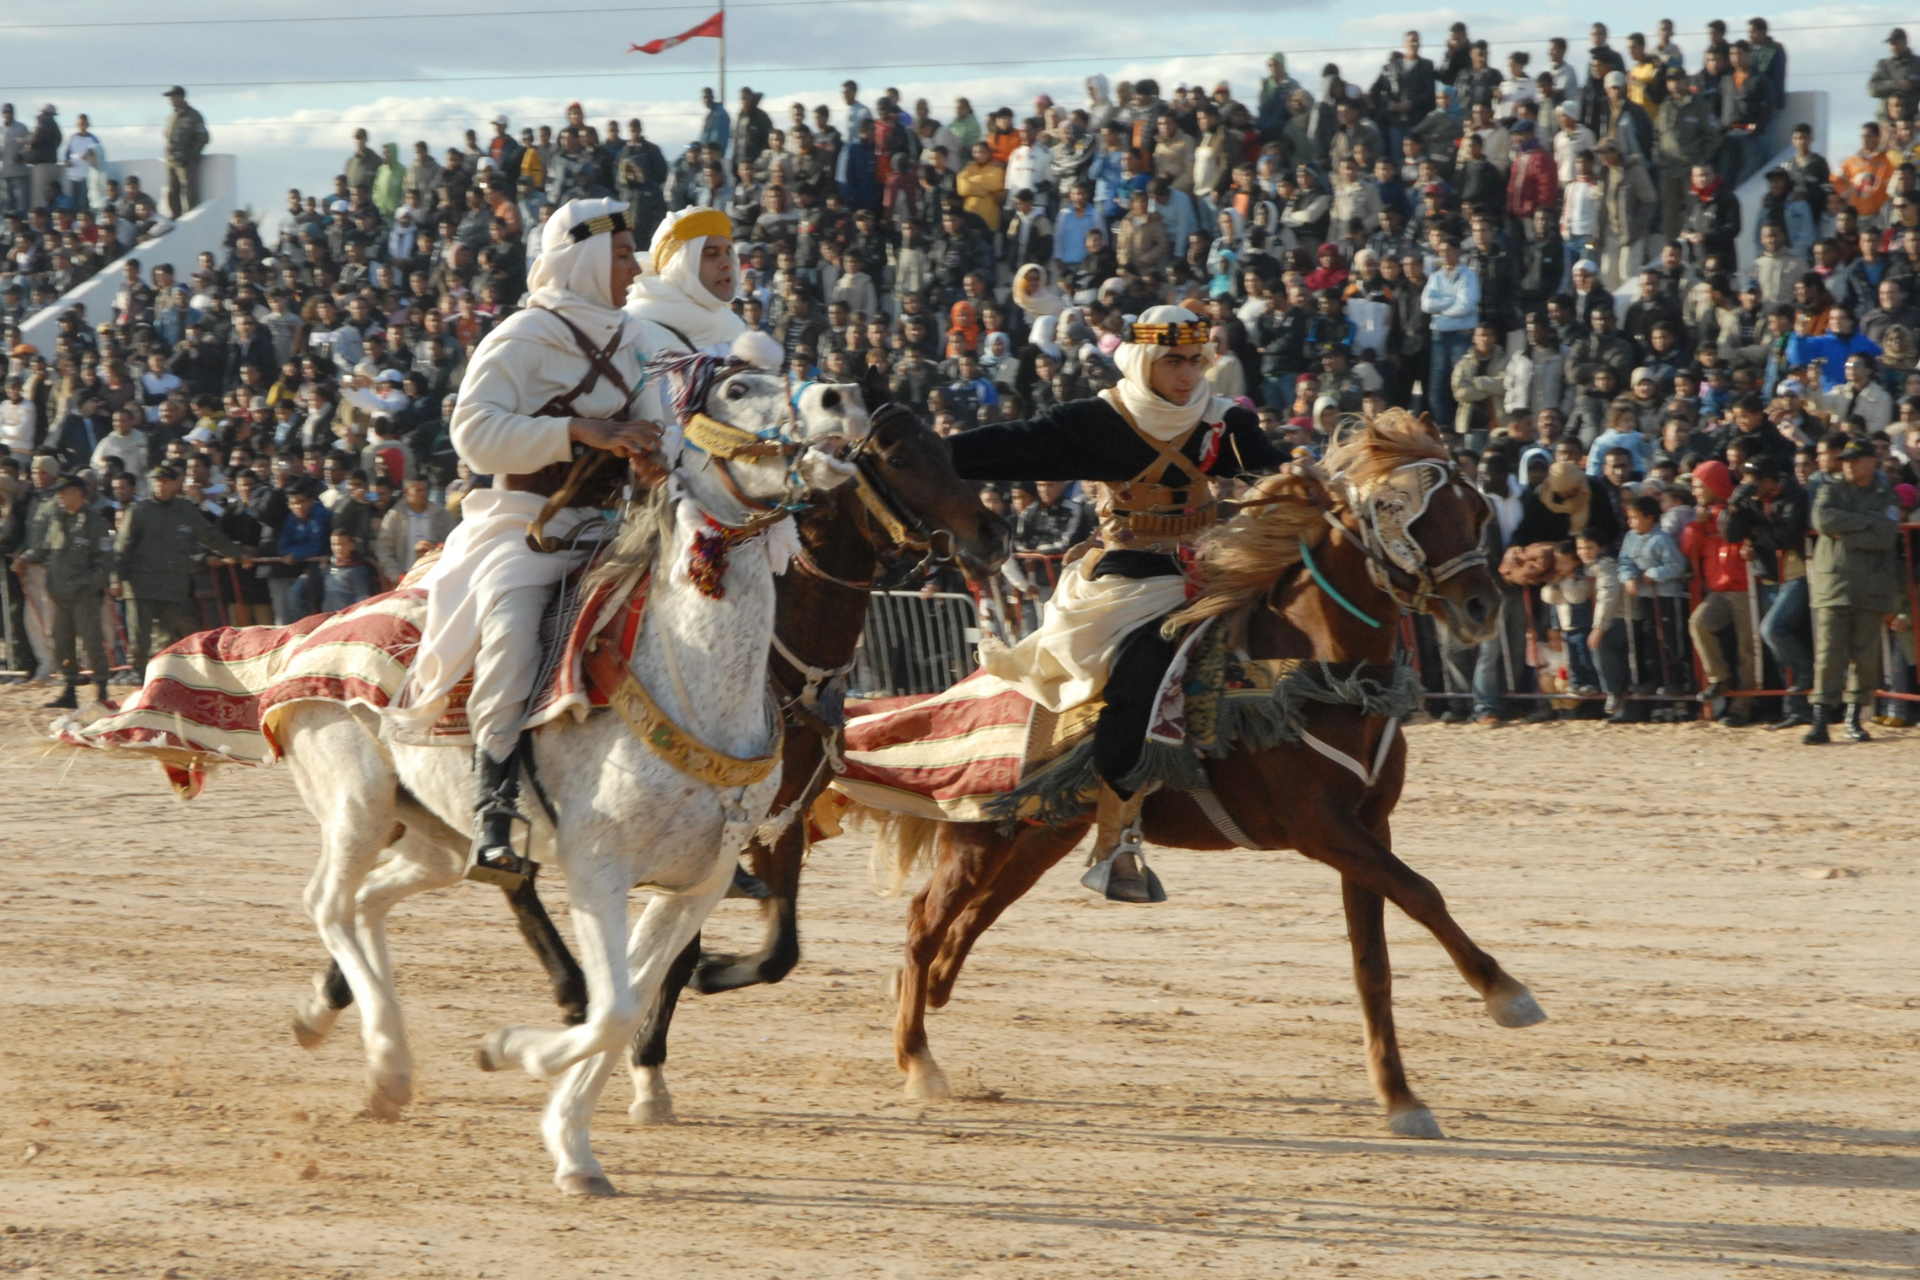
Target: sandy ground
{"x": 1727, "y": 1084}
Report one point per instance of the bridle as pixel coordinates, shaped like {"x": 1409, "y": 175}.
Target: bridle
{"x": 1385, "y": 514}
{"x": 905, "y": 528}
{"x": 725, "y": 444}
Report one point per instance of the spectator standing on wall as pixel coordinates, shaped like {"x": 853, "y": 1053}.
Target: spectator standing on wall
{"x": 186, "y": 138}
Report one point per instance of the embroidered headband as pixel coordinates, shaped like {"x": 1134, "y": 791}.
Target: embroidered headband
{"x": 1184, "y": 333}
{"x": 605, "y": 224}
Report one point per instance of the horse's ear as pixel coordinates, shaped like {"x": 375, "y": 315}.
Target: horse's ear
{"x": 1426, "y": 424}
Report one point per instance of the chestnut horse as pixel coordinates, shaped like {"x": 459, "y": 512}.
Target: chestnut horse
{"x": 1292, "y": 575}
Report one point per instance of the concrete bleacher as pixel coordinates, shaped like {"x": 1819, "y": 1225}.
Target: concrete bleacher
{"x": 199, "y": 230}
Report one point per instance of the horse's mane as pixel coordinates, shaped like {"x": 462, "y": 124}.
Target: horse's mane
{"x": 1240, "y": 560}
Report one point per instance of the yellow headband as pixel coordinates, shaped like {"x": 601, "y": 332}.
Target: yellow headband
{"x": 703, "y": 222}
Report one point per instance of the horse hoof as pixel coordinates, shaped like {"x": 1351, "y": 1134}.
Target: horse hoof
{"x": 652, "y": 1111}
{"x": 388, "y": 1100}
{"x": 926, "y": 1082}
{"x": 1517, "y": 1010}
{"x": 492, "y": 1053}
{"x": 584, "y": 1184}
{"x": 311, "y": 1033}
{"x": 1417, "y": 1123}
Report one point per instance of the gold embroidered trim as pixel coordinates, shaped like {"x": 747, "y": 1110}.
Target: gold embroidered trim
{"x": 647, "y": 722}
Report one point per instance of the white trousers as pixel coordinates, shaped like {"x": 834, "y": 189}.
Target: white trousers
{"x": 504, "y": 669}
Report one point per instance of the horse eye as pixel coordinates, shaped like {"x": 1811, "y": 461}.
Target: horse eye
{"x": 737, "y": 390}
{"x": 900, "y": 463}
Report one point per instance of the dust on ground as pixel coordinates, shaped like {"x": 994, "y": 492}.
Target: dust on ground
{"x": 1720, "y": 924}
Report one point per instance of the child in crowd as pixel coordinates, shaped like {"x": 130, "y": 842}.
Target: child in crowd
{"x": 1571, "y": 595}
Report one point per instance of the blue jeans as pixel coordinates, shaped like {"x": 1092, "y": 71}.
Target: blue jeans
{"x": 1449, "y": 349}
{"x": 1279, "y": 392}
{"x": 1786, "y": 627}
{"x": 15, "y": 193}
{"x": 1580, "y": 668}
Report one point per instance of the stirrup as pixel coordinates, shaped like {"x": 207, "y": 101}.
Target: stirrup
{"x": 1122, "y": 875}
{"x": 491, "y": 859}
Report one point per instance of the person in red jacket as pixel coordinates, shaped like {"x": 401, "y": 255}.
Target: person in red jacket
{"x": 1532, "y": 182}
{"x": 1723, "y": 573}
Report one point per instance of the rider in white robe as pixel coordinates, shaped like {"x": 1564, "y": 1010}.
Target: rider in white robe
{"x": 692, "y": 274}
{"x": 521, "y": 416}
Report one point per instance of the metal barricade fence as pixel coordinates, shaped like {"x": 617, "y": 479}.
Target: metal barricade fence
{"x": 916, "y": 643}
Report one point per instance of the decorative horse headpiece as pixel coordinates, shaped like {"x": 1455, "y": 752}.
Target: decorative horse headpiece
{"x": 1386, "y": 511}
{"x": 690, "y": 380}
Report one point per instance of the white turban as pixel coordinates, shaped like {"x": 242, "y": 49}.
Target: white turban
{"x": 573, "y": 276}
{"x": 670, "y": 294}
{"x": 1161, "y": 419}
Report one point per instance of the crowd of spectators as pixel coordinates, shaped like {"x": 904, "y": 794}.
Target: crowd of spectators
{"x": 1449, "y": 235}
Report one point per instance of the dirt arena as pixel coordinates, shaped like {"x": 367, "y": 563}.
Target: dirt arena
{"x": 1722, "y": 928}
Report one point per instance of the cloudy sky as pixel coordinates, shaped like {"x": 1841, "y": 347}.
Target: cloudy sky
{"x": 284, "y": 89}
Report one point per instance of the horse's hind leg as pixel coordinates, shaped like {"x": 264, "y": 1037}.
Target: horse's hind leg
{"x": 1373, "y": 975}
{"x": 652, "y": 1101}
{"x": 426, "y": 855}
{"x": 1035, "y": 852}
{"x": 970, "y": 856}
{"x": 354, "y": 802}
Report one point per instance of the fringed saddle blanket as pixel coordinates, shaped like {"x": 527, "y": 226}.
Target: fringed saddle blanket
{"x": 217, "y": 697}
{"x": 983, "y": 752}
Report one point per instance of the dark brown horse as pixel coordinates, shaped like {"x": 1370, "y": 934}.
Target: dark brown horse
{"x": 908, "y": 500}
{"x": 1363, "y": 559}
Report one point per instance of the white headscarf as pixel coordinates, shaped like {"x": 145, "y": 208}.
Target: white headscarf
{"x": 574, "y": 278}
{"x": 1161, "y": 419}
{"x": 669, "y": 291}
{"x": 400, "y": 240}
{"x": 1040, "y": 299}
{"x": 1045, "y": 335}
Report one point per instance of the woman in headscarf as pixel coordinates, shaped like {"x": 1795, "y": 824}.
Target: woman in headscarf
{"x": 1100, "y": 106}
{"x": 1151, "y": 442}
{"x": 1033, "y": 295}
{"x": 486, "y": 595}
{"x": 964, "y": 319}
{"x": 390, "y": 182}
{"x": 688, "y": 281}
{"x": 996, "y": 359}
{"x": 402, "y": 236}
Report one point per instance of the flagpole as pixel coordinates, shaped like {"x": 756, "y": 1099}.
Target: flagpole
{"x": 722, "y": 98}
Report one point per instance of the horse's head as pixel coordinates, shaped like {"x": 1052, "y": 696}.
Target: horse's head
{"x": 1420, "y": 524}
{"x": 754, "y": 443}
{"x": 910, "y": 498}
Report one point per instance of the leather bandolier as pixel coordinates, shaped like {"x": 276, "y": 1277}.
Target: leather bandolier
{"x": 585, "y": 480}
{"x": 1147, "y": 514}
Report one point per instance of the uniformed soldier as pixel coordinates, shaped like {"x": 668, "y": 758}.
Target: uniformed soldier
{"x": 1853, "y": 584}
{"x": 76, "y": 545}
{"x": 154, "y": 564}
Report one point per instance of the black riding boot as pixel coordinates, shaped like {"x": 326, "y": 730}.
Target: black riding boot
{"x": 1855, "y": 731}
{"x": 1816, "y": 734}
{"x": 495, "y": 810}
{"x": 66, "y": 701}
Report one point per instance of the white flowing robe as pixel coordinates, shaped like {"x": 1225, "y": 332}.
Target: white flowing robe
{"x": 526, "y": 362}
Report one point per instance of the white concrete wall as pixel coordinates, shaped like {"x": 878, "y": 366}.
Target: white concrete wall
{"x": 1803, "y": 107}
{"x": 199, "y": 230}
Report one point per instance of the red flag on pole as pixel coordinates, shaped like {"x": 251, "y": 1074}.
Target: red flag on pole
{"x": 712, "y": 27}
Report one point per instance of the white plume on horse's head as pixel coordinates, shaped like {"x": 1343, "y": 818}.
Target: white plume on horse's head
{"x": 759, "y": 350}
